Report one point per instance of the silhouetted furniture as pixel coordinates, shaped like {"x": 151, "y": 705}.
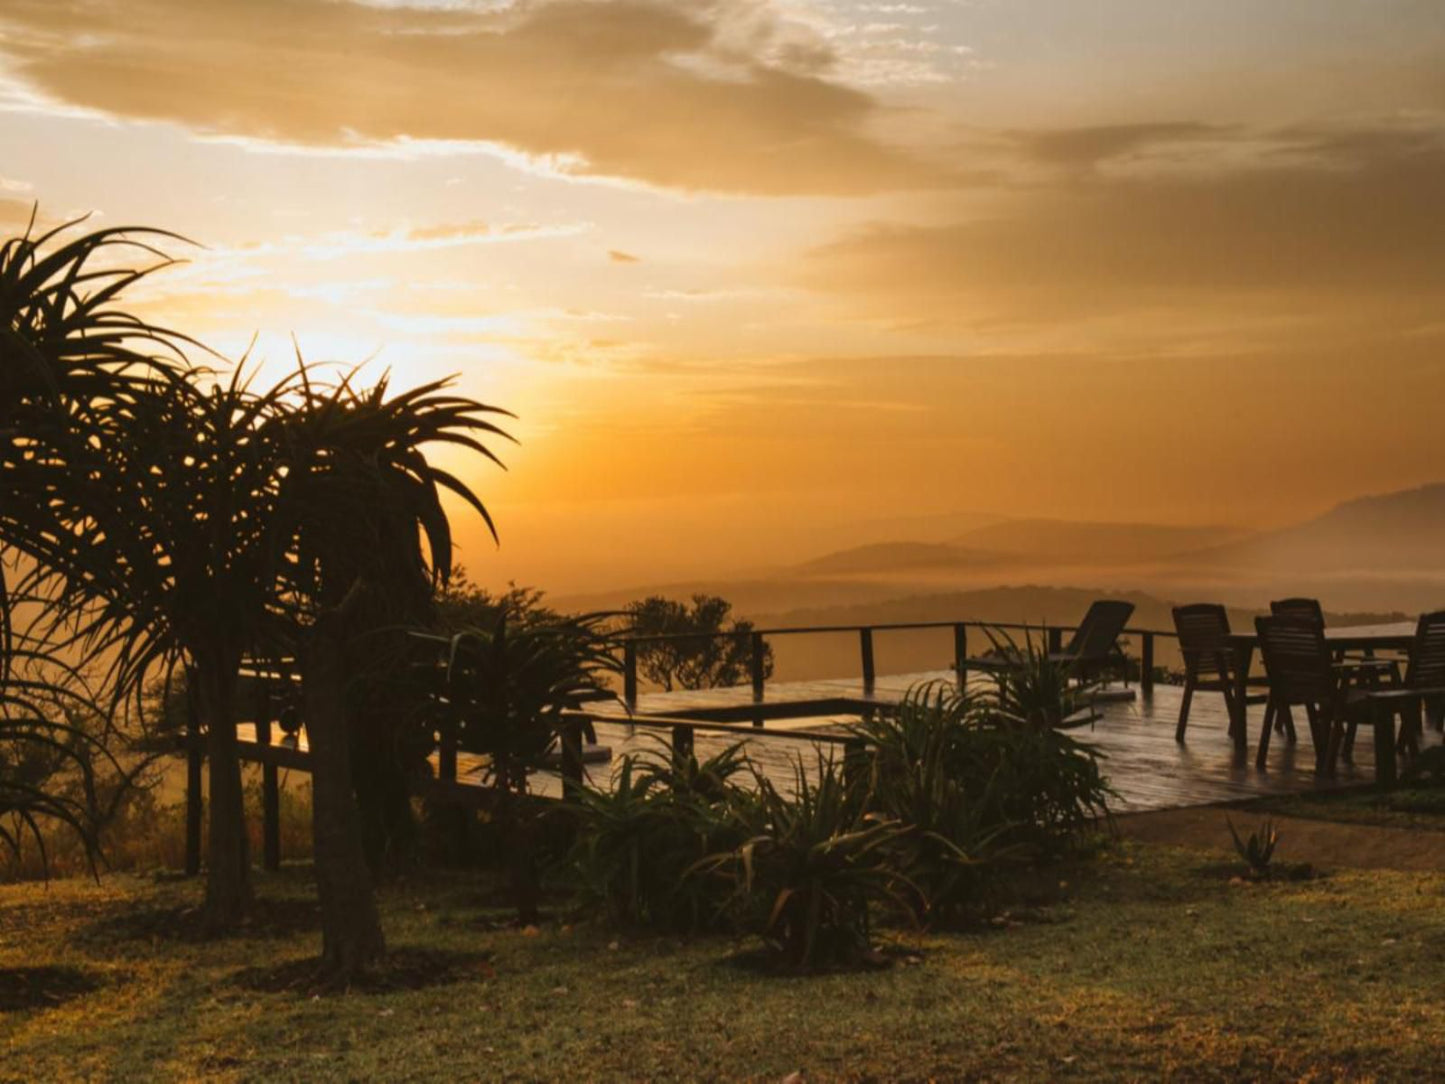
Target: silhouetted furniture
{"x": 1210, "y": 663}
{"x": 1424, "y": 684}
{"x": 1093, "y": 651}
{"x": 1309, "y": 609}
{"x": 1362, "y": 669}
{"x": 1302, "y": 673}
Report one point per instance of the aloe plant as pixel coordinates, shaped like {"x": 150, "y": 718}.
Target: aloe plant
{"x": 1257, "y": 851}
{"x": 811, "y": 865}
{"x": 639, "y": 843}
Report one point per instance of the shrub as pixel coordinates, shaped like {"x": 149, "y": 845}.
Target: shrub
{"x": 639, "y": 844}
{"x": 1258, "y": 850}
{"x": 810, "y": 867}
{"x": 980, "y": 785}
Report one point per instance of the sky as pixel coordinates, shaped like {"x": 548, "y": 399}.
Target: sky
{"x": 751, "y": 271}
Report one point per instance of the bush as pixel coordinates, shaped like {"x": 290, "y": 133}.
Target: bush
{"x": 639, "y": 845}
{"x": 810, "y": 867}
{"x": 981, "y": 786}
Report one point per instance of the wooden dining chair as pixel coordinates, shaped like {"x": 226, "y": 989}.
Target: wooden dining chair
{"x": 1423, "y": 684}
{"x": 1210, "y": 662}
{"x": 1364, "y": 670}
{"x": 1309, "y": 609}
{"x": 1302, "y": 673}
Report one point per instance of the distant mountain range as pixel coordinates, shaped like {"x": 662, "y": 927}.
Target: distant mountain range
{"x": 1383, "y": 552}
{"x": 1390, "y": 535}
{"x": 1394, "y": 534}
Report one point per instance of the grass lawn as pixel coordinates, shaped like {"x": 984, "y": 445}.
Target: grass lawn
{"x": 1147, "y": 963}
{"x": 1410, "y": 806}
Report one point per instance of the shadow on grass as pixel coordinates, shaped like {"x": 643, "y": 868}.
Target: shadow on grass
{"x": 404, "y": 968}
{"x": 23, "y": 988}
{"x": 764, "y": 962}
{"x": 265, "y": 919}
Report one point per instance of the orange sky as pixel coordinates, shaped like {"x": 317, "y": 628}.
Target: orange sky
{"x": 752, "y": 270}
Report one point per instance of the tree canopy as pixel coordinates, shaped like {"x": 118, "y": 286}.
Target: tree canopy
{"x": 701, "y": 649}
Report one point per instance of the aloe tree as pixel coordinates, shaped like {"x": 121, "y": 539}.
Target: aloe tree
{"x": 366, "y": 542}
{"x": 71, "y": 365}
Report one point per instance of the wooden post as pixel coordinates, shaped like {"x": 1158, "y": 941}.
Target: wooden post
{"x": 682, "y": 743}
{"x": 629, "y": 674}
{"x": 757, "y": 665}
{"x": 194, "y": 758}
{"x": 571, "y": 757}
{"x": 456, "y": 820}
{"x": 855, "y": 760}
{"x": 270, "y": 796}
{"x": 960, "y": 654}
{"x": 1056, "y": 639}
{"x": 865, "y": 646}
{"x": 1146, "y": 662}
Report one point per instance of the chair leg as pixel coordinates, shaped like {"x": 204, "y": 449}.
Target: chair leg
{"x": 1319, "y": 735}
{"x": 1288, "y": 724}
{"x": 1348, "y": 749}
{"x": 1412, "y": 729}
{"x": 1184, "y": 707}
{"x": 1262, "y": 756}
{"x": 1336, "y": 730}
{"x": 1384, "y": 746}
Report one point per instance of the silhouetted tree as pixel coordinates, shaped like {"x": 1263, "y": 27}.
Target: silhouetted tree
{"x": 505, "y": 688}
{"x": 705, "y": 650}
{"x": 368, "y": 542}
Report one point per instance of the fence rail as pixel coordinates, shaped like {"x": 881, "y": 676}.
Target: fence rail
{"x": 757, "y": 655}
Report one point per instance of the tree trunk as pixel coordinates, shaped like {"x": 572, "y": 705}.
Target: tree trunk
{"x": 228, "y": 866}
{"x": 351, "y": 937}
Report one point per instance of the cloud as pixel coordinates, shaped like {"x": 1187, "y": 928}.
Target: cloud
{"x": 1089, "y": 145}
{"x": 659, "y": 93}
{"x": 618, "y": 256}
{"x": 1318, "y": 223}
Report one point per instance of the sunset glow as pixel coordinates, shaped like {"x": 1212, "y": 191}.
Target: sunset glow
{"x": 751, "y": 270}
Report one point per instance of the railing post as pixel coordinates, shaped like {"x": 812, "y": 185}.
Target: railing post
{"x": 571, "y": 757}
{"x": 757, "y": 665}
{"x": 865, "y": 646}
{"x": 1146, "y": 662}
{"x": 629, "y": 674}
{"x": 270, "y": 795}
{"x": 960, "y": 654}
{"x": 855, "y": 760}
{"x": 682, "y": 743}
{"x": 1056, "y": 639}
{"x": 193, "y": 785}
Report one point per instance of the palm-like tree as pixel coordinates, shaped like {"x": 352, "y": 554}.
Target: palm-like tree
{"x": 71, "y": 364}
{"x": 366, "y": 542}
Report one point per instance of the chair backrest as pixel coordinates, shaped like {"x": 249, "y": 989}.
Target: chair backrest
{"x": 1301, "y": 609}
{"x": 1297, "y": 659}
{"x": 1097, "y": 633}
{"x": 1427, "y": 653}
{"x": 1204, "y": 638}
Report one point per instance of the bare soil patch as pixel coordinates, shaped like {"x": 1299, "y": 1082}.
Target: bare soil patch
{"x": 1324, "y": 844}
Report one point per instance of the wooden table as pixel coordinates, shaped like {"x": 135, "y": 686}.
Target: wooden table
{"x": 1396, "y": 636}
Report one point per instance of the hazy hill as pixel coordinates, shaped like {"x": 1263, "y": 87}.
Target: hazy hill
{"x": 1392, "y": 534}
{"x": 898, "y": 557}
{"x": 1112, "y": 543}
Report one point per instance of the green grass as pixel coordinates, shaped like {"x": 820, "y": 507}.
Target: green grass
{"x": 1147, "y": 964}
{"x": 1420, "y": 806}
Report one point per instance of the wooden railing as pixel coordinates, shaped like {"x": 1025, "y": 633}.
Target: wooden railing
{"x": 757, "y": 654}
{"x": 274, "y": 755}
